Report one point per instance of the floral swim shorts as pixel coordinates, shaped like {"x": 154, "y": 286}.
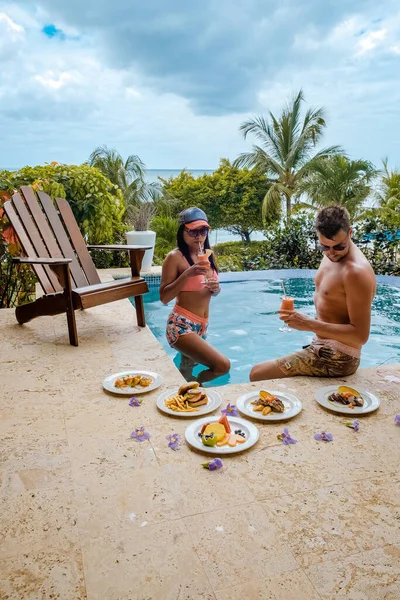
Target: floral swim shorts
{"x": 322, "y": 358}
{"x": 182, "y": 322}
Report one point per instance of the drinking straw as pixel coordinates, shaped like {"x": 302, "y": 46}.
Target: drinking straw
{"x": 284, "y": 291}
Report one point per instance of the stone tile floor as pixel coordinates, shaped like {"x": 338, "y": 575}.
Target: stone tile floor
{"x": 87, "y": 512}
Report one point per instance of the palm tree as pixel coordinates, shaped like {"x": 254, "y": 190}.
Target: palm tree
{"x": 286, "y": 153}
{"x": 128, "y": 175}
{"x": 338, "y": 180}
{"x": 388, "y": 193}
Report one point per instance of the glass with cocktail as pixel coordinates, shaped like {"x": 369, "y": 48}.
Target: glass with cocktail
{"x": 203, "y": 256}
{"x": 287, "y": 304}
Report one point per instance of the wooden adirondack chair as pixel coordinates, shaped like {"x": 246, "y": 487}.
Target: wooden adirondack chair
{"x": 54, "y": 246}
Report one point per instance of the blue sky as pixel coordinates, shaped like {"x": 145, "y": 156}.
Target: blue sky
{"x": 172, "y": 82}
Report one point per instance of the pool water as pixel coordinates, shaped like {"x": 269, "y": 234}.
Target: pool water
{"x": 245, "y": 327}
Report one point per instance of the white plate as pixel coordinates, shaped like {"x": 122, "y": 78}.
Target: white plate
{"x": 108, "y": 383}
{"x": 292, "y": 406}
{"x": 251, "y": 431}
{"x": 214, "y": 401}
{"x": 371, "y": 402}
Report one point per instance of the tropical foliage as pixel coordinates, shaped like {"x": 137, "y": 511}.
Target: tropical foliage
{"x": 165, "y": 228}
{"x": 98, "y": 205}
{"x": 129, "y": 176}
{"x": 338, "y": 180}
{"x": 231, "y": 197}
{"x": 287, "y": 150}
{"x": 286, "y": 246}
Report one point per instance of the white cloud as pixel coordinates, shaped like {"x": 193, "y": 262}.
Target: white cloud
{"x": 175, "y": 90}
{"x": 10, "y": 24}
{"x": 371, "y": 40}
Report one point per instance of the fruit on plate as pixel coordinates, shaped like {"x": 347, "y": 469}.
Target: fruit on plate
{"x": 219, "y": 433}
{"x": 347, "y": 396}
{"x": 266, "y": 403}
{"x": 209, "y": 439}
{"x": 217, "y": 429}
{"x": 233, "y": 438}
{"x": 225, "y": 423}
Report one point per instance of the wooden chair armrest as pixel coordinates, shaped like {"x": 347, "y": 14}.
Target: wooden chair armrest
{"x": 123, "y": 247}
{"x": 41, "y": 261}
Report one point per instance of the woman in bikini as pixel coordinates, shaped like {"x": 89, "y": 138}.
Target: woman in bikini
{"x": 182, "y": 278}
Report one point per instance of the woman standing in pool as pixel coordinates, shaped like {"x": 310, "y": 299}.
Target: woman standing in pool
{"x": 183, "y": 274}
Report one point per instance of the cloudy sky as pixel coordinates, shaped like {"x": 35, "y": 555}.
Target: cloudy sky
{"x": 172, "y": 83}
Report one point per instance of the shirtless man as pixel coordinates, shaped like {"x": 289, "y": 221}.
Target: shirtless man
{"x": 345, "y": 287}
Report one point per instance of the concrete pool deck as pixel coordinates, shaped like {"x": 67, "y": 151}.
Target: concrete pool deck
{"x": 87, "y": 512}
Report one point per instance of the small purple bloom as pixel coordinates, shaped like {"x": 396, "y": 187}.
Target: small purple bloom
{"x": 397, "y": 419}
{"x": 135, "y": 401}
{"x": 140, "y": 434}
{"x": 230, "y": 411}
{"x": 353, "y": 425}
{"x": 323, "y": 436}
{"x": 174, "y": 440}
{"x": 286, "y": 438}
{"x": 212, "y": 465}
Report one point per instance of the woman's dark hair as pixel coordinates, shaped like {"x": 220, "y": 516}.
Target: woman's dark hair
{"x": 184, "y": 248}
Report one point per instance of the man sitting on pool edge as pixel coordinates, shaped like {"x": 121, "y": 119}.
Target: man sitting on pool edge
{"x": 345, "y": 287}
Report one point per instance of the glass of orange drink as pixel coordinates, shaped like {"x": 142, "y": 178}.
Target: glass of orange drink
{"x": 203, "y": 256}
{"x": 287, "y": 304}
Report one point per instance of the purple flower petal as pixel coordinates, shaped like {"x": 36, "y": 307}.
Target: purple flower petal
{"x": 323, "y": 436}
{"x": 214, "y": 464}
{"x": 134, "y": 401}
{"x": 230, "y": 411}
{"x": 356, "y": 425}
{"x": 174, "y": 441}
{"x": 397, "y": 419}
{"x": 286, "y": 437}
{"x": 140, "y": 434}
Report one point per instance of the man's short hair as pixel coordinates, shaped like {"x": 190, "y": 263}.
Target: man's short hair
{"x": 331, "y": 219}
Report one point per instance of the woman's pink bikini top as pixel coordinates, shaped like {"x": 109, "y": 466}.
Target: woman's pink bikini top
{"x": 193, "y": 284}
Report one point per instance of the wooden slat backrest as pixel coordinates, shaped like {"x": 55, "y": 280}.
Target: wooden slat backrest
{"x": 77, "y": 241}
{"x": 27, "y": 247}
{"x": 78, "y": 277}
{"x": 41, "y": 222}
{"x": 39, "y": 249}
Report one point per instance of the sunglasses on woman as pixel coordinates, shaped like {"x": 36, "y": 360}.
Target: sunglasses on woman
{"x": 193, "y": 233}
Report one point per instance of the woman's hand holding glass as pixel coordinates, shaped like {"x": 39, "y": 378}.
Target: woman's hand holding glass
{"x": 213, "y": 285}
{"x": 199, "y": 268}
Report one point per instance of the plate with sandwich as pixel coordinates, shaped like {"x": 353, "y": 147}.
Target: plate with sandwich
{"x": 189, "y": 400}
{"x": 346, "y": 400}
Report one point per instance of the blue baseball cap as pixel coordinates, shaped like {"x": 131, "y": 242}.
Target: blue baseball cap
{"x": 193, "y": 218}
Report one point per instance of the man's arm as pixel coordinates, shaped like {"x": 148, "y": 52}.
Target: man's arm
{"x": 359, "y": 290}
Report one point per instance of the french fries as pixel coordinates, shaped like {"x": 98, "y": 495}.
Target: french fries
{"x": 188, "y": 400}
{"x": 179, "y": 403}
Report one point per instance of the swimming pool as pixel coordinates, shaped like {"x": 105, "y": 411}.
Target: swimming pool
{"x": 245, "y": 327}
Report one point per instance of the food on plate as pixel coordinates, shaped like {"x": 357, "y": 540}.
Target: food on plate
{"x": 347, "y": 396}
{"x": 267, "y": 403}
{"x": 219, "y": 433}
{"x": 189, "y": 397}
{"x": 135, "y": 380}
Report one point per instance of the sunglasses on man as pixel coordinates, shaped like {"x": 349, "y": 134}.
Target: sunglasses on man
{"x": 194, "y": 233}
{"x": 337, "y": 248}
